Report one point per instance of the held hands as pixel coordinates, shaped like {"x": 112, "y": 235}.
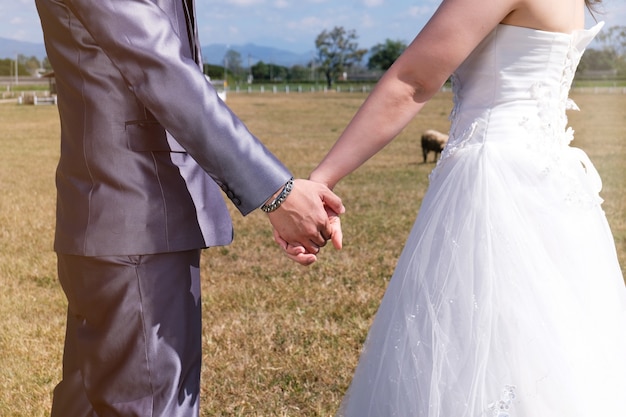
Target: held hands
{"x": 299, "y": 254}
{"x": 306, "y": 220}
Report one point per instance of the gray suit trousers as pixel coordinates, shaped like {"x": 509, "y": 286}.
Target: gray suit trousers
{"x": 133, "y": 342}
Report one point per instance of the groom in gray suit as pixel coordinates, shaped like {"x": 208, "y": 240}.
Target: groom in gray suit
{"x": 146, "y": 145}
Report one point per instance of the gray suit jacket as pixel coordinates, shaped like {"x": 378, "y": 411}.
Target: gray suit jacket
{"x": 128, "y": 83}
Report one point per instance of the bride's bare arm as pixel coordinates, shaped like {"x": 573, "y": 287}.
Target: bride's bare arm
{"x": 453, "y": 32}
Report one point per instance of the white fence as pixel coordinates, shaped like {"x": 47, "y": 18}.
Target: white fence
{"x": 44, "y": 97}
{"x": 366, "y": 88}
{"x": 600, "y": 90}
{"x": 287, "y": 89}
{"x": 29, "y": 97}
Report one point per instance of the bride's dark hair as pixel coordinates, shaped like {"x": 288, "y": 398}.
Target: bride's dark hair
{"x": 591, "y": 4}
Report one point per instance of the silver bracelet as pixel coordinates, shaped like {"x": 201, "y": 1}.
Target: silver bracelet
{"x": 280, "y": 198}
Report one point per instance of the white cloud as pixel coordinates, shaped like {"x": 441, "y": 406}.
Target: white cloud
{"x": 244, "y": 2}
{"x": 233, "y": 30}
{"x": 367, "y": 21}
{"x": 307, "y": 23}
{"x": 373, "y": 3}
{"x": 416, "y": 11}
{"x": 22, "y": 35}
{"x": 281, "y": 4}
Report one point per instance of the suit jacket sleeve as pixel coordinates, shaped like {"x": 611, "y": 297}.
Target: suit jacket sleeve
{"x": 140, "y": 39}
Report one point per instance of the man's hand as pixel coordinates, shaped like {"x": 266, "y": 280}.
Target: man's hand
{"x": 302, "y": 224}
{"x": 299, "y": 253}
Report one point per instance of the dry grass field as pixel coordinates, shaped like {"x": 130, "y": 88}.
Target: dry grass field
{"x": 279, "y": 339}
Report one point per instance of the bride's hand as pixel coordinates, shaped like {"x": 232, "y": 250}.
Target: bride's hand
{"x": 296, "y": 252}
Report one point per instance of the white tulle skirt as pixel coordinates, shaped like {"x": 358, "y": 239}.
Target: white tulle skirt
{"x": 507, "y": 301}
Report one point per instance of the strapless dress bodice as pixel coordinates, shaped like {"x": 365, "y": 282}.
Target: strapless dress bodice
{"x": 515, "y": 85}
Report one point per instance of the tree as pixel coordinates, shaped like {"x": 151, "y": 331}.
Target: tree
{"x": 614, "y": 38}
{"x": 215, "y": 72}
{"x": 232, "y": 62}
{"x": 299, "y": 73}
{"x": 260, "y": 71}
{"x": 337, "y": 51}
{"x": 45, "y": 64}
{"x": 597, "y": 60}
{"x": 269, "y": 72}
{"x": 613, "y": 41}
{"x": 383, "y": 55}
{"x": 7, "y": 68}
{"x": 31, "y": 64}
{"x": 278, "y": 72}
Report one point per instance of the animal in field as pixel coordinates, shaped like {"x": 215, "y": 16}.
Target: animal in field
{"x": 433, "y": 141}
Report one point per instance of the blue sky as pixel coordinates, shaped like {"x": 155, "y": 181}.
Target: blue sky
{"x": 285, "y": 24}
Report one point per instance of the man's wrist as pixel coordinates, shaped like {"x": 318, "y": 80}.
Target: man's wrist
{"x": 274, "y": 203}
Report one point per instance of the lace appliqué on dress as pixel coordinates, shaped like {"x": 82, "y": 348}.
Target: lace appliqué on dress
{"x": 456, "y": 140}
{"x": 502, "y": 407}
{"x": 454, "y": 144}
{"x": 549, "y": 138}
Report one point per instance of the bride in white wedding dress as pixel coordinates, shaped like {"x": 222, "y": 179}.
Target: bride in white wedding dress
{"x": 508, "y": 300}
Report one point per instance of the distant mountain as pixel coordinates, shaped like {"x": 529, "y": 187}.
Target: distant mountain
{"x": 10, "y": 47}
{"x": 212, "y": 54}
{"x": 251, "y": 54}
